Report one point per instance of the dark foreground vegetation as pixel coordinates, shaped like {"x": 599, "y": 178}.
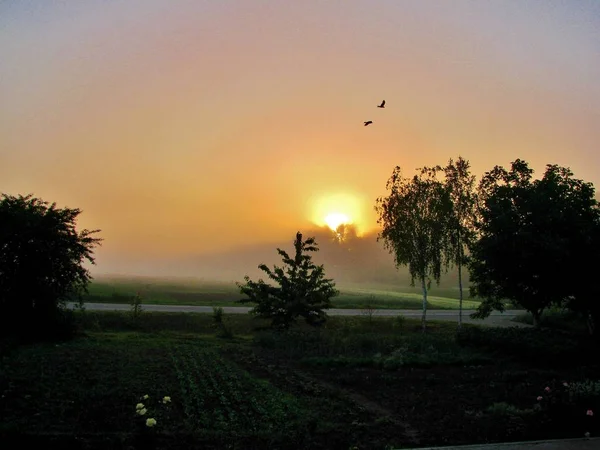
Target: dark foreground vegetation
{"x": 234, "y": 383}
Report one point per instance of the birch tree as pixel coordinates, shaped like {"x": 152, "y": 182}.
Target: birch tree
{"x": 414, "y": 218}
{"x": 461, "y": 230}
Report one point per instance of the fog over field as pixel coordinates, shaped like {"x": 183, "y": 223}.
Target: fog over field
{"x": 354, "y": 261}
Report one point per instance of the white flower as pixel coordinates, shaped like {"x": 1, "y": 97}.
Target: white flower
{"x": 166, "y": 399}
{"x": 150, "y": 422}
{"x": 139, "y": 406}
{"x": 142, "y": 411}
{"x": 145, "y": 397}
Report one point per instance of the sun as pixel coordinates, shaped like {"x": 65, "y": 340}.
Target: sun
{"x": 335, "y": 219}
{"x": 337, "y": 209}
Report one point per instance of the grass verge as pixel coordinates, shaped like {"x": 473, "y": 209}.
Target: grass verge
{"x": 226, "y": 294}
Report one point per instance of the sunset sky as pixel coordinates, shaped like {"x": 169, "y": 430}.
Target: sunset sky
{"x": 188, "y": 126}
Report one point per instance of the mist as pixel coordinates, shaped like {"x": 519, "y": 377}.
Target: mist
{"x": 349, "y": 259}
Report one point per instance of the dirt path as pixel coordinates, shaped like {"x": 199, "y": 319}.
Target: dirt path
{"x": 372, "y": 407}
{"x": 268, "y": 366}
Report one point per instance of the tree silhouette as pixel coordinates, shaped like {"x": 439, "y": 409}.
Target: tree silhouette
{"x": 345, "y": 232}
{"x": 530, "y": 232}
{"x": 584, "y": 267}
{"x": 41, "y": 264}
{"x": 303, "y": 290}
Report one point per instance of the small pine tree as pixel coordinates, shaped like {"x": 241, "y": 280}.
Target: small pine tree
{"x": 303, "y": 290}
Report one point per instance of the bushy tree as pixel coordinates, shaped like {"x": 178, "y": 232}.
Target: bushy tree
{"x": 583, "y": 270}
{"x": 415, "y": 219}
{"x": 533, "y": 236}
{"x": 41, "y": 263}
{"x": 302, "y": 289}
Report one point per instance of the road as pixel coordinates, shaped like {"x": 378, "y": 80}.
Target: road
{"x": 495, "y": 319}
{"x": 562, "y": 444}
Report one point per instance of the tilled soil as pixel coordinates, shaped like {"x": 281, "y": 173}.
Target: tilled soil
{"x": 414, "y": 407}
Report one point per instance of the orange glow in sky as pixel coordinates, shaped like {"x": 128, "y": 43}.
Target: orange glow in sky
{"x": 188, "y": 127}
{"x": 335, "y": 219}
{"x": 340, "y": 208}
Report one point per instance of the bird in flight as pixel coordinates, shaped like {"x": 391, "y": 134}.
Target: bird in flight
{"x": 382, "y": 105}
{"x": 368, "y": 122}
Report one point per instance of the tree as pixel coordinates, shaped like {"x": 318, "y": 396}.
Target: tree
{"x": 340, "y": 251}
{"x": 461, "y": 185}
{"x": 41, "y": 263}
{"x": 414, "y": 217}
{"x": 583, "y": 265}
{"x": 583, "y": 270}
{"x": 345, "y": 233}
{"x": 303, "y": 290}
{"x": 530, "y": 232}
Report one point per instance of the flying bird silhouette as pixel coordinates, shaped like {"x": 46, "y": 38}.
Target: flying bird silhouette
{"x": 382, "y": 105}
{"x": 368, "y": 122}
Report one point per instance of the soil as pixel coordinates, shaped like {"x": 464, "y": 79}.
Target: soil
{"x": 417, "y": 407}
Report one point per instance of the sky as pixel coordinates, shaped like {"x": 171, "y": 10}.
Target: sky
{"x": 186, "y": 127}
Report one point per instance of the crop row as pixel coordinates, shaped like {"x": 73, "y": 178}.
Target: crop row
{"x": 220, "y": 396}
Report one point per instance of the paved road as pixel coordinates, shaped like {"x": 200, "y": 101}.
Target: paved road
{"x": 563, "y": 444}
{"x": 495, "y": 319}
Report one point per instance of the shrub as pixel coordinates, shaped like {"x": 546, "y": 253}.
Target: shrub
{"x": 303, "y": 290}
{"x": 540, "y": 345}
{"x": 399, "y": 322}
{"x": 566, "y": 409}
{"x": 558, "y": 319}
{"x": 136, "y": 307}
{"x": 503, "y": 409}
{"x": 58, "y": 325}
{"x": 224, "y": 331}
{"x": 218, "y": 315}
{"x": 369, "y": 308}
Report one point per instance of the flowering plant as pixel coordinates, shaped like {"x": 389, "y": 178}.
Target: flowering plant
{"x": 150, "y": 415}
{"x": 569, "y": 407}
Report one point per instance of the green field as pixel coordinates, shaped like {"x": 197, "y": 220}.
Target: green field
{"x": 211, "y": 293}
{"x": 363, "y": 384}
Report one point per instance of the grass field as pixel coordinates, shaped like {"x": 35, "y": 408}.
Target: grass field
{"x": 211, "y": 293}
{"x": 355, "y": 384}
